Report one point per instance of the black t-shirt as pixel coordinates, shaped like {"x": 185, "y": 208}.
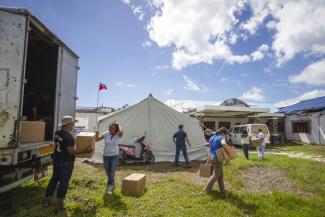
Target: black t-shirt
{"x": 63, "y": 139}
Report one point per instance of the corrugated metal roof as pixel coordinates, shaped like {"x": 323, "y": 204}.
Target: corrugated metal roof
{"x": 316, "y": 104}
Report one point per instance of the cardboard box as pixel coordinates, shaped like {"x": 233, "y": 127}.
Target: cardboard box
{"x": 32, "y": 131}
{"x": 255, "y": 142}
{"x": 83, "y": 140}
{"x": 134, "y": 184}
{"x": 205, "y": 170}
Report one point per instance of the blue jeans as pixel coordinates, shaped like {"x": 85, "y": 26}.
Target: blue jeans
{"x": 110, "y": 165}
{"x": 182, "y": 148}
{"x": 61, "y": 175}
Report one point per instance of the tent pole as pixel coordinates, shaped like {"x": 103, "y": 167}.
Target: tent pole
{"x": 97, "y": 109}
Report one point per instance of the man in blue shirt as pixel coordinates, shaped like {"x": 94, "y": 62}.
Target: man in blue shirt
{"x": 179, "y": 139}
{"x": 216, "y": 142}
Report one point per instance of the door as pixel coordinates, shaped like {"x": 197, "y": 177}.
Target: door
{"x": 12, "y": 49}
{"x": 235, "y": 138}
{"x": 67, "y": 83}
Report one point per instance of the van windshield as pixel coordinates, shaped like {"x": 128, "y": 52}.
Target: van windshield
{"x": 242, "y": 129}
{"x": 255, "y": 128}
{"x": 236, "y": 130}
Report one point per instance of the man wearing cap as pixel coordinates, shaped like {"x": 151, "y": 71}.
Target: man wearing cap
{"x": 63, "y": 161}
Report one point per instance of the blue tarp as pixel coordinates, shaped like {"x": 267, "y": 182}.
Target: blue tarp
{"x": 316, "y": 104}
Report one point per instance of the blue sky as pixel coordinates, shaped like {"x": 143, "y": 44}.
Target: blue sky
{"x": 162, "y": 47}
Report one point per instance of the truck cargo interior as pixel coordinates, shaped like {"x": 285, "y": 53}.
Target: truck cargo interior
{"x": 41, "y": 74}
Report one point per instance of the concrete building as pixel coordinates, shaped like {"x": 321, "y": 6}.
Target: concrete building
{"x": 305, "y": 121}
{"x": 87, "y": 117}
{"x": 229, "y": 113}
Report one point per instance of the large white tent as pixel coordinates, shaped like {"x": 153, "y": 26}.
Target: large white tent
{"x": 160, "y": 122}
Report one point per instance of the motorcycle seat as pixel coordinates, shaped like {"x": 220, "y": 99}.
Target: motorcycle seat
{"x": 128, "y": 146}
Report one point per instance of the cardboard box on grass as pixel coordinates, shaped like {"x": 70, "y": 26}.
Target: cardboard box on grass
{"x": 83, "y": 140}
{"x": 32, "y": 131}
{"x": 205, "y": 170}
{"x": 134, "y": 184}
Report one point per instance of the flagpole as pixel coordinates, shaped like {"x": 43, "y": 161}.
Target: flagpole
{"x": 97, "y": 108}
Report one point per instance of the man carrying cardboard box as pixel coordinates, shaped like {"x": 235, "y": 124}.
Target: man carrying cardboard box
{"x": 63, "y": 162}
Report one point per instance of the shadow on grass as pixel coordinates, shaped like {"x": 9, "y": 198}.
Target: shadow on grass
{"x": 160, "y": 167}
{"x": 21, "y": 199}
{"x": 114, "y": 202}
{"x": 247, "y": 208}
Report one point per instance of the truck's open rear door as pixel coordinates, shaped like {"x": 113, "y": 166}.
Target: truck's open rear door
{"x": 12, "y": 47}
{"x": 67, "y": 85}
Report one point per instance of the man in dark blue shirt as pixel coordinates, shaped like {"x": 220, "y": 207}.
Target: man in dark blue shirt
{"x": 179, "y": 139}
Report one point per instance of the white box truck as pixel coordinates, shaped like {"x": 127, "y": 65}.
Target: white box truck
{"x": 33, "y": 62}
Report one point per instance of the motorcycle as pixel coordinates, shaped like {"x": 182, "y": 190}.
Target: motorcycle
{"x": 127, "y": 153}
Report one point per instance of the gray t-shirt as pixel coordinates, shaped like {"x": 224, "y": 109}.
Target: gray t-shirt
{"x": 111, "y": 144}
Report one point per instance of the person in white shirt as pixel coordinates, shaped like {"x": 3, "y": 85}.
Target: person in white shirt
{"x": 261, "y": 148}
{"x": 111, "y": 152}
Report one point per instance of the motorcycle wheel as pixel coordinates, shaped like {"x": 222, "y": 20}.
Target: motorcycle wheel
{"x": 150, "y": 158}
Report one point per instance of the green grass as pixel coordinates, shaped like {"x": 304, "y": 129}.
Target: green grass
{"x": 174, "y": 192}
{"x": 314, "y": 150}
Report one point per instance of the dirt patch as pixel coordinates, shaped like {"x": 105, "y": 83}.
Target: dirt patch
{"x": 266, "y": 180}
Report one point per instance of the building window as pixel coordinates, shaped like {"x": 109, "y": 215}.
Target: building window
{"x": 224, "y": 124}
{"x": 210, "y": 125}
{"x": 300, "y": 127}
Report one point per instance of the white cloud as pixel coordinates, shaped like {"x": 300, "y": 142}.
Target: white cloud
{"x": 260, "y": 52}
{"x": 299, "y": 26}
{"x": 313, "y": 74}
{"x": 136, "y": 9}
{"x": 260, "y": 12}
{"x": 243, "y": 75}
{"x": 255, "y": 94}
{"x": 192, "y": 86}
{"x": 305, "y": 96}
{"x": 223, "y": 79}
{"x": 130, "y": 85}
{"x": 118, "y": 84}
{"x": 146, "y": 44}
{"x": 188, "y": 105}
{"x": 203, "y": 31}
{"x": 121, "y": 84}
{"x": 163, "y": 67}
{"x": 169, "y": 92}
{"x": 199, "y": 31}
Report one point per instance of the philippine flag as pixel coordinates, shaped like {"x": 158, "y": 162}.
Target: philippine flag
{"x": 102, "y": 86}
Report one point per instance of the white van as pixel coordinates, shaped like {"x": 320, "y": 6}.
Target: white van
{"x": 252, "y": 130}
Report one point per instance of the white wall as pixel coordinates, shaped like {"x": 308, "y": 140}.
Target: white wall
{"x": 313, "y": 136}
{"x": 87, "y": 120}
{"x": 322, "y": 129}
{"x": 232, "y": 121}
